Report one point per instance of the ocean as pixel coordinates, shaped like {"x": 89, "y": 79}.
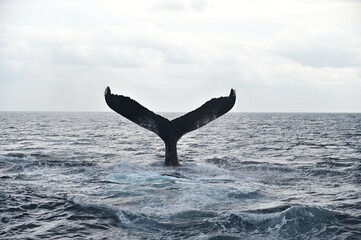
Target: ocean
{"x": 96, "y": 175}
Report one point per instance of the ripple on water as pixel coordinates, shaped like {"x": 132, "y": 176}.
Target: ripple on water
{"x": 94, "y": 176}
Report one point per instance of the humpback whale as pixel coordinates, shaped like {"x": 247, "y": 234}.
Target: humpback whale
{"x": 170, "y": 131}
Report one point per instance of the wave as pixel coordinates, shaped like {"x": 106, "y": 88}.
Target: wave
{"x": 283, "y": 222}
{"x": 289, "y": 223}
{"x": 95, "y": 209}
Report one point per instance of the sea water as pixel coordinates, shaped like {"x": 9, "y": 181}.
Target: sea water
{"x": 80, "y": 175}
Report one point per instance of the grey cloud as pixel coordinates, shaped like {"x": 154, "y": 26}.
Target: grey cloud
{"x": 142, "y": 58}
{"x": 146, "y": 45}
{"x": 179, "y": 5}
{"x": 199, "y": 5}
{"x": 116, "y": 47}
{"x": 319, "y": 55}
{"x": 169, "y": 5}
{"x": 309, "y": 46}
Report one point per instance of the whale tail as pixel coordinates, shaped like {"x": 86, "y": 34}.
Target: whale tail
{"x": 170, "y": 131}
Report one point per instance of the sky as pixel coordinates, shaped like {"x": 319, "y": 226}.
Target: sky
{"x": 173, "y": 55}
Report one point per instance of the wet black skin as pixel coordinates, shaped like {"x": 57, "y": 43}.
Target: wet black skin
{"x": 170, "y": 131}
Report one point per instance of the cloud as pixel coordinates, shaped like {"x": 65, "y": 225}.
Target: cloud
{"x": 144, "y": 61}
{"x": 175, "y": 62}
{"x": 311, "y": 46}
{"x": 179, "y": 5}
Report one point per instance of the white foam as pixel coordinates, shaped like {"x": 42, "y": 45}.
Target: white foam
{"x": 86, "y": 202}
{"x": 146, "y": 177}
{"x": 166, "y": 191}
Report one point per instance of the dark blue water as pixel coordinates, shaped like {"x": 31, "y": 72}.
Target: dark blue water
{"x": 243, "y": 176}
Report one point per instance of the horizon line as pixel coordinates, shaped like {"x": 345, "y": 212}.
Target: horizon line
{"x": 105, "y": 111}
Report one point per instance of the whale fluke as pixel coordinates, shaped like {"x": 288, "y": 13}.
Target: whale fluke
{"x": 135, "y": 112}
{"x": 170, "y": 131}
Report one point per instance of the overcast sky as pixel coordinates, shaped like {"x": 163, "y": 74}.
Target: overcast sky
{"x": 173, "y": 55}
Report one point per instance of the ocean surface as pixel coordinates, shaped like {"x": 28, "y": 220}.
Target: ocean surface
{"x": 83, "y": 175}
